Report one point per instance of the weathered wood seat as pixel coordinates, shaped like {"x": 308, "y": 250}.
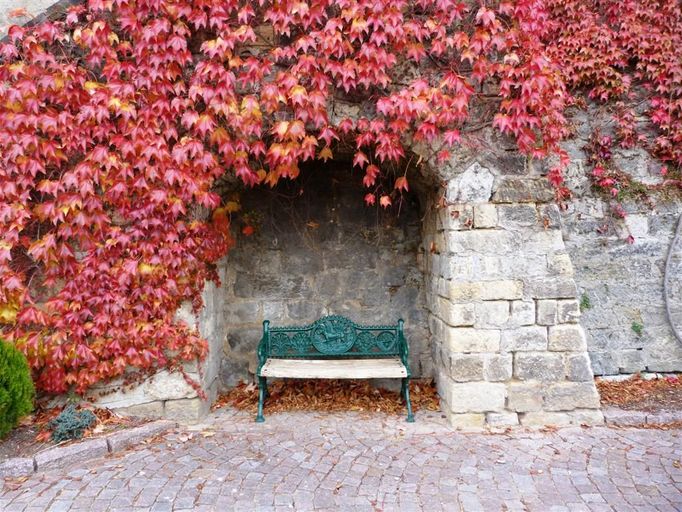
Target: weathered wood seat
{"x": 333, "y": 348}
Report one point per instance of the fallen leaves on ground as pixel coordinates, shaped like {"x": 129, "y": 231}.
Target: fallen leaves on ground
{"x": 636, "y": 392}
{"x": 330, "y": 396}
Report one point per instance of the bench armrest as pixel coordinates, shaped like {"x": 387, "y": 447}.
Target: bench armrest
{"x": 404, "y": 350}
{"x": 263, "y": 346}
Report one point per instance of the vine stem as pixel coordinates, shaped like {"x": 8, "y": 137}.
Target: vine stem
{"x": 666, "y": 277}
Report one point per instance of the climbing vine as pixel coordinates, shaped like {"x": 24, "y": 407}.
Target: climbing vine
{"x": 117, "y": 121}
{"x": 624, "y": 55}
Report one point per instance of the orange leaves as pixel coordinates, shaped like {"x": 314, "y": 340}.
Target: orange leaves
{"x": 385, "y": 201}
{"x": 401, "y": 184}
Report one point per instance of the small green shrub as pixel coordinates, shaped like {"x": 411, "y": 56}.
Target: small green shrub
{"x": 637, "y": 328}
{"x": 585, "y": 302}
{"x": 71, "y": 424}
{"x": 16, "y": 387}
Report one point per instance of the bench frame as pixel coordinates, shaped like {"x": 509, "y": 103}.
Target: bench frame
{"x": 333, "y": 337}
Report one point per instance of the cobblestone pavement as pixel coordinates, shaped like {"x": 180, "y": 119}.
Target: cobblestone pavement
{"x": 306, "y": 461}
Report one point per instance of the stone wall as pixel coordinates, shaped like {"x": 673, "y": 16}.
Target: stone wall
{"x": 319, "y": 250}
{"x": 507, "y": 345}
{"x": 622, "y": 282}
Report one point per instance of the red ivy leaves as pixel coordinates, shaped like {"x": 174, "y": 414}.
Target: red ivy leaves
{"x": 115, "y": 123}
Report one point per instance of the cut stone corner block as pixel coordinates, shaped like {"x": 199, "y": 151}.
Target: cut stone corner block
{"x": 511, "y": 350}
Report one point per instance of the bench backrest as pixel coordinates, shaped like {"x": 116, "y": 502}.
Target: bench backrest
{"x": 333, "y": 337}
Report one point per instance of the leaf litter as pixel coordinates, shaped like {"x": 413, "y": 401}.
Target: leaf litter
{"x": 330, "y": 396}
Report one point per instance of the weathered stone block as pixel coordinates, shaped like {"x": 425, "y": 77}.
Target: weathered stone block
{"x": 542, "y": 242}
{"x": 566, "y": 396}
{"x": 15, "y": 467}
{"x": 538, "y": 366}
{"x": 502, "y": 419}
{"x": 566, "y": 337}
{"x": 61, "y": 456}
{"x": 530, "y": 338}
{"x": 485, "y": 216}
{"x": 466, "y": 367}
{"x": 456, "y": 315}
{"x": 146, "y": 410}
{"x": 623, "y": 418}
{"x": 463, "y": 291}
{"x": 187, "y": 409}
{"x": 168, "y": 386}
{"x": 497, "y": 367}
{"x": 560, "y": 263}
{"x": 455, "y": 217}
{"x": 603, "y": 363}
{"x": 474, "y": 421}
{"x": 630, "y": 361}
{"x": 467, "y": 339}
{"x": 491, "y": 313}
{"x": 525, "y": 396}
{"x": 522, "y": 313}
{"x": 547, "y": 312}
{"x": 482, "y": 241}
{"x": 475, "y": 185}
{"x": 663, "y": 417}
{"x": 552, "y": 288}
{"x": 506, "y": 289}
{"x": 243, "y": 311}
{"x": 476, "y": 397}
{"x": 578, "y": 368}
{"x": 638, "y": 225}
{"x": 590, "y": 417}
{"x": 523, "y": 190}
{"x": 126, "y": 438}
{"x": 568, "y": 311}
{"x": 517, "y": 216}
{"x": 543, "y": 418}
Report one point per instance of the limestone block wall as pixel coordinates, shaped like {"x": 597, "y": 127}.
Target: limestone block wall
{"x": 622, "y": 282}
{"x": 507, "y": 344}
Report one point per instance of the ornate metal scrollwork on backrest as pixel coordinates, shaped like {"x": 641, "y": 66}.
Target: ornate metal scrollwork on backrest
{"x": 334, "y": 336}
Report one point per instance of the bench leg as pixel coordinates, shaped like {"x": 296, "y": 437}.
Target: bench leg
{"x": 262, "y": 390}
{"x": 406, "y": 396}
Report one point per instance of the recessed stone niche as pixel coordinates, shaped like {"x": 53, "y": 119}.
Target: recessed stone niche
{"x": 474, "y": 261}
{"x": 318, "y": 250}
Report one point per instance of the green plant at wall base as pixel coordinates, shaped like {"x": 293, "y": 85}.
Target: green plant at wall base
{"x": 16, "y": 387}
{"x": 637, "y": 328}
{"x": 71, "y": 424}
{"x": 585, "y": 302}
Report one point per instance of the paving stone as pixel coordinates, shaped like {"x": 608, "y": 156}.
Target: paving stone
{"x": 349, "y": 461}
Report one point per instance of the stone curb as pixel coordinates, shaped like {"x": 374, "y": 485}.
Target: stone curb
{"x": 60, "y": 456}
{"x": 625, "y": 418}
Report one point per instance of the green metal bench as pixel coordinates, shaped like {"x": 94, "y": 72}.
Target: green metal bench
{"x": 333, "y": 348}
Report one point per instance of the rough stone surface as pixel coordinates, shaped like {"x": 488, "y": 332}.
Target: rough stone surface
{"x": 525, "y": 397}
{"x": 538, "y": 366}
{"x": 61, "y": 456}
{"x": 360, "y": 462}
{"x": 322, "y": 253}
{"x": 624, "y": 282}
{"x": 477, "y": 397}
{"x": 568, "y": 337}
{"x": 475, "y": 184}
{"x": 133, "y": 436}
{"x": 16, "y": 467}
